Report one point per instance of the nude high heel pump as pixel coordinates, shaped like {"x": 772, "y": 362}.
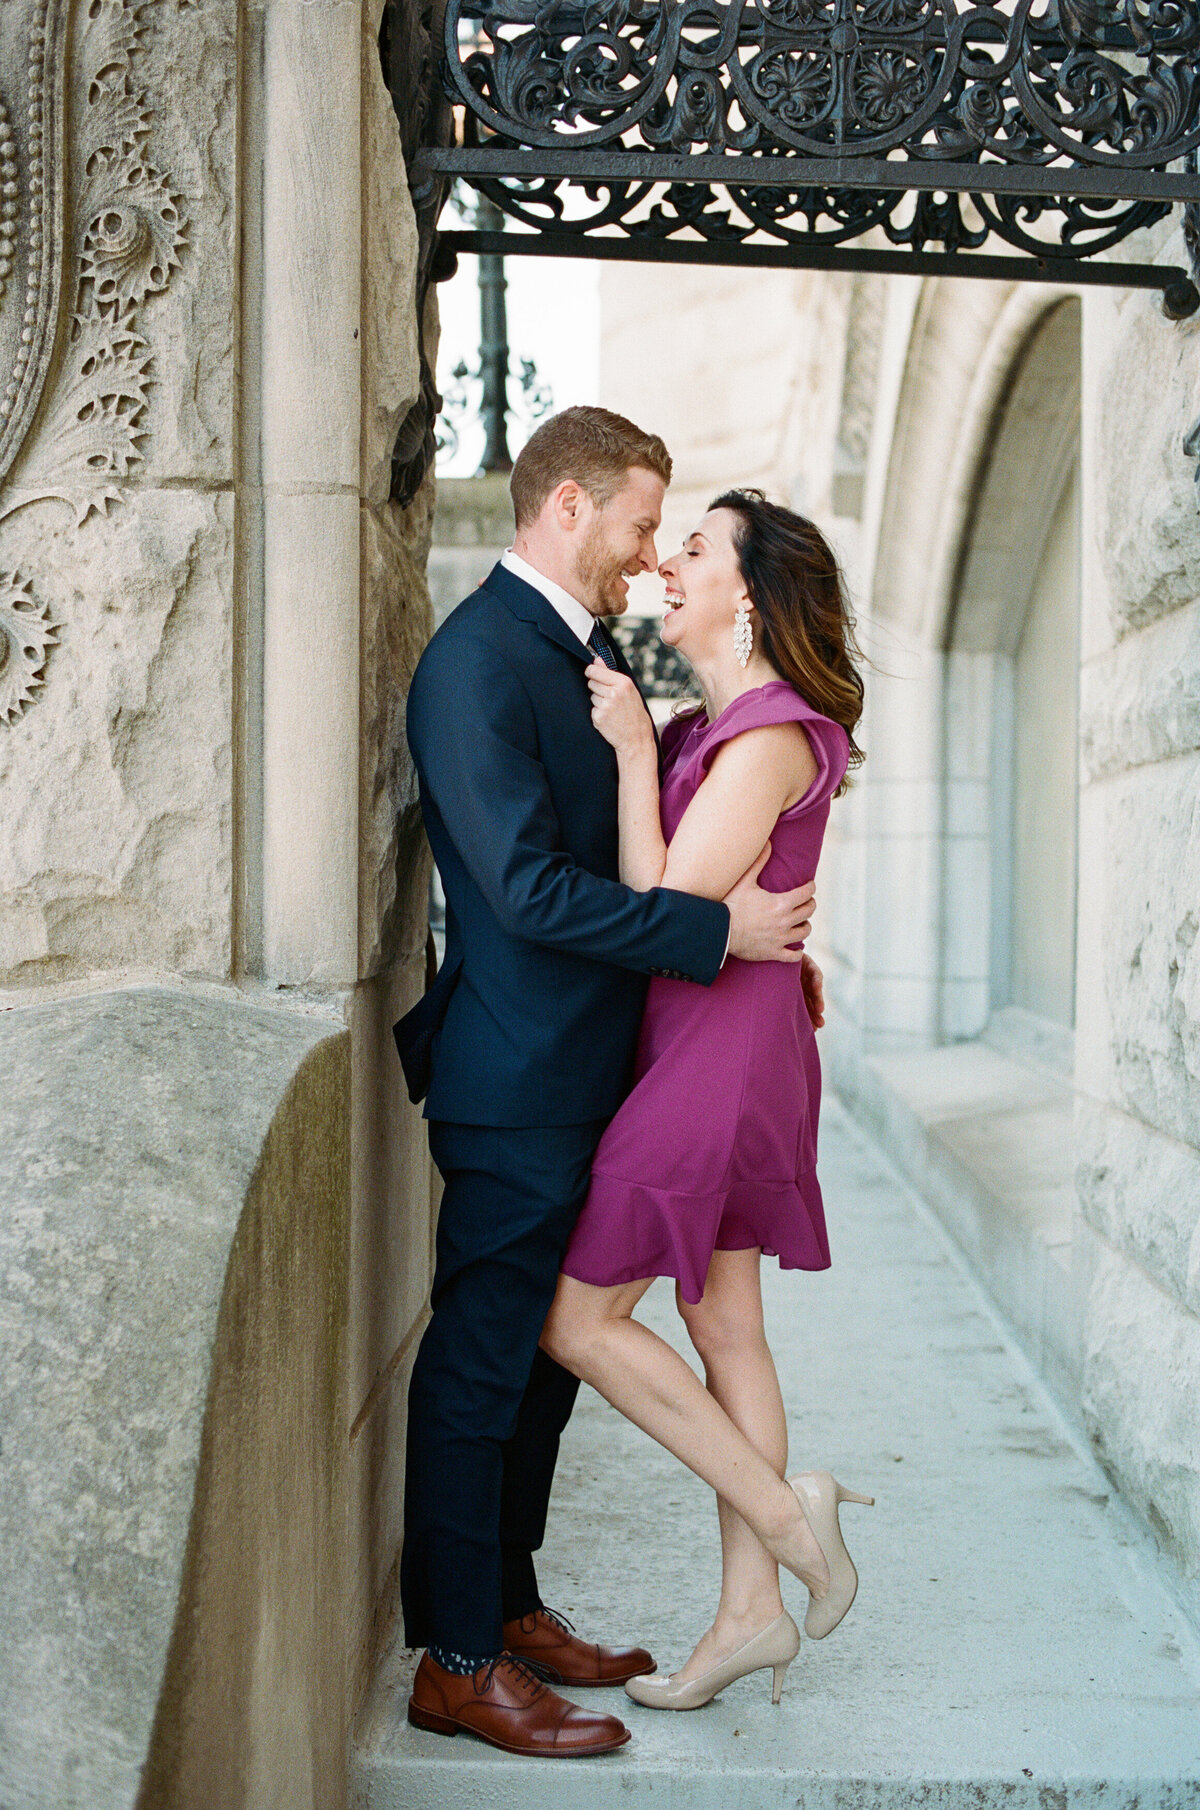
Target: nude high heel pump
{"x": 776, "y": 1646}
{"x": 819, "y": 1495}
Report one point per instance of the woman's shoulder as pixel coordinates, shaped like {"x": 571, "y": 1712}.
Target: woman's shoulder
{"x": 775, "y": 704}
{"x": 785, "y": 719}
{"x": 778, "y": 701}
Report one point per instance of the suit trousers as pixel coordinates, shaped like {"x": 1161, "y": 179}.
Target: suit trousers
{"x": 486, "y": 1407}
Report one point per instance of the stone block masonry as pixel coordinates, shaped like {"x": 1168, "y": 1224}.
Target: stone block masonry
{"x": 173, "y": 1356}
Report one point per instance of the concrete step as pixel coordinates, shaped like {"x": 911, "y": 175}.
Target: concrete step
{"x": 1012, "y": 1647}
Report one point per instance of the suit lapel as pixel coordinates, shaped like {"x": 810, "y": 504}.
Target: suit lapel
{"x": 529, "y": 604}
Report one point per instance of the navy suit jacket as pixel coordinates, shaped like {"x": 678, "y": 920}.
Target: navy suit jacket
{"x": 533, "y": 1017}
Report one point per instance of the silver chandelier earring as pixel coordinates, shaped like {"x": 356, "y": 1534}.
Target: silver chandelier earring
{"x": 743, "y": 635}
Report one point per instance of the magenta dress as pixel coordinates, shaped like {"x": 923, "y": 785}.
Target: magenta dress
{"x": 715, "y": 1147}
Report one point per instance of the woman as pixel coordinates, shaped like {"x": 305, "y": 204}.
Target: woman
{"x": 710, "y": 1162}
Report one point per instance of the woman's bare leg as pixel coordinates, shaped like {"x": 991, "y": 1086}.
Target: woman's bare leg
{"x": 726, "y": 1328}
{"x": 590, "y": 1331}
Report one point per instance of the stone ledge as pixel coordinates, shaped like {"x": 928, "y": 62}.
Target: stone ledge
{"x": 1062, "y": 1206}
{"x": 171, "y": 1397}
{"x": 989, "y": 1140}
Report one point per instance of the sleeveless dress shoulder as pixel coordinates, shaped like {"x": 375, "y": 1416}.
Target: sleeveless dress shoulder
{"x": 715, "y": 1146}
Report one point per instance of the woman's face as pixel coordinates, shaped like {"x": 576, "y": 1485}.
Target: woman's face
{"x": 704, "y": 588}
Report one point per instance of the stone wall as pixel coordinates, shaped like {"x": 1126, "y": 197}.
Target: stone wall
{"x": 174, "y": 1321}
{"x": 1138, "y": 1118}
{"x": 474, "y": 525}
{"x": 204, "y": 784}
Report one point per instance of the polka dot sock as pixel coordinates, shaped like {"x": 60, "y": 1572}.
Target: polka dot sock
{"x": 463, "y": 1665}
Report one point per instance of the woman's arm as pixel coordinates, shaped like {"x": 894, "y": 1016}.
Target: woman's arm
{"x": 623, "y": 720}
{"x": 752, "y": 779}
{"x": 643, "y": 848}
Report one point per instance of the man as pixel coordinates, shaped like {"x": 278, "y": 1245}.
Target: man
{"x": 525, "y": 1043}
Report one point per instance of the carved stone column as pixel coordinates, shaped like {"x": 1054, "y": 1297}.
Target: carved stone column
{"x": 116, "y": 518}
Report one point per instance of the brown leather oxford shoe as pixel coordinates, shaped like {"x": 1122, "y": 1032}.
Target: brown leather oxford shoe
{"x": 550, "y": 1643}
{"x": 506, "y": 1704}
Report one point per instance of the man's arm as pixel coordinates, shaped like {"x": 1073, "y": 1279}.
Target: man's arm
{"x": 473, "y": 738}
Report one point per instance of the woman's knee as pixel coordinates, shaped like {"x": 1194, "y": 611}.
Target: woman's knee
{"x": 724, "y": 1326}
{"x": 568, "y": 1335}
{"x": 555, "y": 1340}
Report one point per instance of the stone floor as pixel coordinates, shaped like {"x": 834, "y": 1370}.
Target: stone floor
{"x": 1011, "y": 1645}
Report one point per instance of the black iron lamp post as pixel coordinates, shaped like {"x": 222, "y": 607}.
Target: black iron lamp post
{"x": 481, "y": 392}
{"x": 493, "y": 344}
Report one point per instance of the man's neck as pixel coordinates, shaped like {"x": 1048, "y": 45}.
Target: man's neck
{"x": 544, "y": 560}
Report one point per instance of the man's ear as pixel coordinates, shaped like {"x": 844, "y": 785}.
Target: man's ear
{"x": 569, "y": 502}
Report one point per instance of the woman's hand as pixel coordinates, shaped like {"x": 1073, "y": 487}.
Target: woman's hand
{"x": 617, "y": 709}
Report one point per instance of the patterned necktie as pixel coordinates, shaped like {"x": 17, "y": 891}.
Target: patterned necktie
{"x": 599, "y": 643}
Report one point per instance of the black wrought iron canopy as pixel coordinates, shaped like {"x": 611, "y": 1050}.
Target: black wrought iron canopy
{"x": 1011, "y": 139}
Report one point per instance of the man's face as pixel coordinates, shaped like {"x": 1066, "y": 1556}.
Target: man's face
{"x": 618, "y": 543}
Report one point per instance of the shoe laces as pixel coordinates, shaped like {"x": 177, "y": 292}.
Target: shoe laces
{"x": 520, "y": 1670}
{"x": 560, "y": 1621}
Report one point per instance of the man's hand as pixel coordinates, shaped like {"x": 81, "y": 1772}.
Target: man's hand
{"x": 766, "y": 926}
{"x": 813, "y": 983}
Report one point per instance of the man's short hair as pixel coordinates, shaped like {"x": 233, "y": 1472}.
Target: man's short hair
{"x": 592, "y": 445}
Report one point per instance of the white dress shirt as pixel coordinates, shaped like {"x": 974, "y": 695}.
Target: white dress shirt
{"x": 577, "y": 616}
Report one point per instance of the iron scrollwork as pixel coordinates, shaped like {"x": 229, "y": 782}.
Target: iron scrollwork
{"x": 1013, "y": 139}
{"x": 660, "y": 671}
{"x": 1101, "y": 82}
{"x": 757, "y": 131}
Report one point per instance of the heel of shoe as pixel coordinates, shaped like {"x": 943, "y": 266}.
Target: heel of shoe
{"x": 820, "y": 1495}
{"x": 779, "y": 1674}
{"x": 429, "y": 1719}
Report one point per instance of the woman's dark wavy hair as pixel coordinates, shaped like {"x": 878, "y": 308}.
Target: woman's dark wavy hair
{"x": 796, "y": 586}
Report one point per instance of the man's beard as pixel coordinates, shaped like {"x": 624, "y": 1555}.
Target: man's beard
{"x": 600, "y": 571}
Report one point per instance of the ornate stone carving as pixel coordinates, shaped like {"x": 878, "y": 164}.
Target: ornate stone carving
{"x": 33, "y": 39}
{"x": 26, "y": 636}
{"x": 76, "y": 356}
